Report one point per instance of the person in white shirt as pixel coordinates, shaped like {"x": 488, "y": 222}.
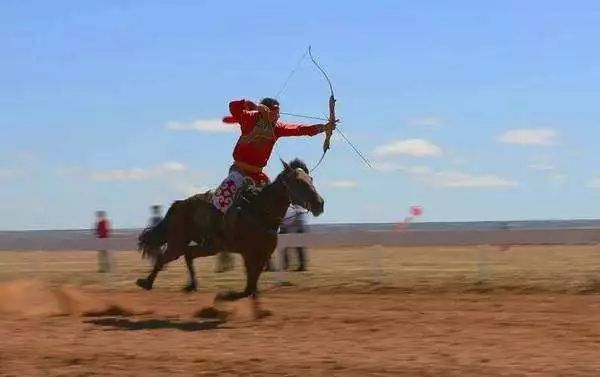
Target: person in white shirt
{"x": 293, "y": 222}
{"x": 156, "y": 216}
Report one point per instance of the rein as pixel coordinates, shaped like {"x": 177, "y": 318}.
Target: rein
{"x": 267, "y": 214}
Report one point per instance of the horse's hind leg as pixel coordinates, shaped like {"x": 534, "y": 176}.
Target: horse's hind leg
{"x": 192, "y": 285}
{"x": 177, "y": 240}
{"x": 170, "y": 254}
{"x": 148, "y": 282}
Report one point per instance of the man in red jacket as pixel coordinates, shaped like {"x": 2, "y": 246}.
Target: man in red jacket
{"x": 261, "y": 127}
{"x": 102, "y": 231}
{"x": 102, "y": 225}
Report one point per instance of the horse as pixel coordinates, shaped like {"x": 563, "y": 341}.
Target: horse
{"x": 249, "y": 229}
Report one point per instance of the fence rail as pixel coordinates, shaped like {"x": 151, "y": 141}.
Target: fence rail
{"x": 126, "y": 240}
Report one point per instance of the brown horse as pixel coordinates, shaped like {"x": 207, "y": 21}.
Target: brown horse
{"x": 249, "y": 229}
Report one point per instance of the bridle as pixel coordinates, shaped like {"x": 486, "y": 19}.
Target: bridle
{"x": 291, "y": 195}
{"x": 293, "y": 198}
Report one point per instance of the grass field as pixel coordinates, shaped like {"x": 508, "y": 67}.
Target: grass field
{"x": 440, "y": 269}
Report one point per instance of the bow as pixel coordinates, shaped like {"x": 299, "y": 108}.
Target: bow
{"x": 332, "y": 118}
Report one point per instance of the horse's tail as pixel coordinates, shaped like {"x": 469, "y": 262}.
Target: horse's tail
{"x": 153, "y": 237}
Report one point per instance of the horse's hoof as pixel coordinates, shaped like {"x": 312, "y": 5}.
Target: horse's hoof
{"x": 144, "y": 283}
{"x": 190, "y": 288}
{"x": 222, "y": 296}
{"x": 227, "y": 296}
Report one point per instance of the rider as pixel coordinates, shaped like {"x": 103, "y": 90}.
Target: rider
{"x": 260, "y": 127}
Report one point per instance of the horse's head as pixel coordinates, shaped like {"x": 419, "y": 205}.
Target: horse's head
{"x": 300, "y": 188}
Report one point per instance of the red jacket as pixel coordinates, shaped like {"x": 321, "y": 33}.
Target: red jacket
{"x": 103, "y": 229}
{"x": 256, "y": 143}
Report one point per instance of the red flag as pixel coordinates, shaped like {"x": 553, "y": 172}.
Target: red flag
{"x": 416, "y": 210}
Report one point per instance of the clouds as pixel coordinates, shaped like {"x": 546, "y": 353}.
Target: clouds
{"x": 137, "y": 174}
{"x": 346, "y": 184}
{"x": 444, "y": 178}
{"x": 451, "y": 178}
{"x": 20, "y": 165}
{"x": 457, "y": 179}
{"x": 207, "y": 125}
{"x": 409, "y": 147}
{"x": 558, "y": 178}
{"x": 448, "y": 178}
{"x": 426, "y": 121}
{"x": 6, "y": 174}
{"x": 388, "y": 167}
{"x": 593, "y": 183}
{"x": 530, "y": 136}
{"x": 191, "y": 189}
{"x": 541, "y": 167}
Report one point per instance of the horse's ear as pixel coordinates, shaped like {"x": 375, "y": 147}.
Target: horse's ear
{"x": 286, "y": 166}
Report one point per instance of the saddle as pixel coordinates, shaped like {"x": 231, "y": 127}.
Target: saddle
{"x": 211, "y": 220}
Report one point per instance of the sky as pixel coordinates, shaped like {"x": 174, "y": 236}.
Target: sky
{"x": 473, "y": 110}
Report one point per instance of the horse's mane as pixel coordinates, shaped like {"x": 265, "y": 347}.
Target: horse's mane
{"x": 252, "y": 192}
{"x": 298, "y": 164}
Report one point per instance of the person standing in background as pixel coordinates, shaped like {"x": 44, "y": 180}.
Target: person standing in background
{"x": 102, "y": 232}
{"x": 156, "y": 215}
{"x": 293, "y": 222}
{"x": 296, "y": 223}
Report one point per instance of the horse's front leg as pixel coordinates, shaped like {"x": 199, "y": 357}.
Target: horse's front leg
{"x": 254, "y": 269}
{"x": 254, "y": 263}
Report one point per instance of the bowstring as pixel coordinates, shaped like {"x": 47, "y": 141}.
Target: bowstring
{"x": 365, "y": 160}
{"x": 280, "y": 91}
{"x": 291, "y": 74}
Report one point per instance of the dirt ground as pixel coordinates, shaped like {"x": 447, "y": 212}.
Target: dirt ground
{"x": 357, "y": 312}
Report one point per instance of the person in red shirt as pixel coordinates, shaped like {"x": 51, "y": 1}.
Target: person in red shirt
{"x": 260, "y": 127}
{"x": 102, "y": 225}
{"x": 102, "y": 232}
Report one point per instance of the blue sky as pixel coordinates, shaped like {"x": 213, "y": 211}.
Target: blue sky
{"x": 476, "y": 111}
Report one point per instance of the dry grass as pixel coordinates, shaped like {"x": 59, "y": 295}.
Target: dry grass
{"x": 521, "y": 269}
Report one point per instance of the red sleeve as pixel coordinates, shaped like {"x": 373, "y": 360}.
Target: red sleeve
{"x": 292, "y": 129}
{"x": 237, "y": 107}
{"x": 246, "y": 118}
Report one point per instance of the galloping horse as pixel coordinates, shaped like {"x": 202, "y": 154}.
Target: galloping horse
{"x": 249, "y": 229}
